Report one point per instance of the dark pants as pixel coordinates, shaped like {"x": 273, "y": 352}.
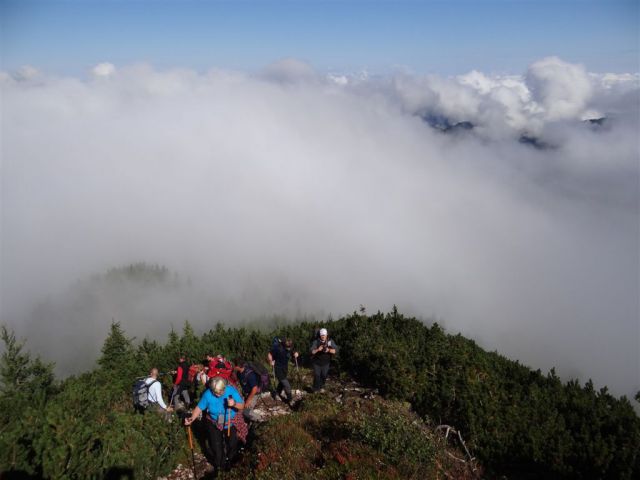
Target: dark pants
{"x": 283, "y": 383}
{"x": 320, "y": 373}
{"x": 218, "y": 441}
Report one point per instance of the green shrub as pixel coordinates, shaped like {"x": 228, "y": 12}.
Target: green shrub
{"x": 391, "y": 430}
{"x": 516, "y": 420}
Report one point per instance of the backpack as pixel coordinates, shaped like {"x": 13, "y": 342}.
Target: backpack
{"x": 141, "y": 393}
{"x": 193, "y": 371}
{"x": 220, "y": 367}
{"x": 262, "y": 373}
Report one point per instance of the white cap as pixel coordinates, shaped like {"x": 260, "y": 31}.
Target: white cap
{"x": 323, "y": 331}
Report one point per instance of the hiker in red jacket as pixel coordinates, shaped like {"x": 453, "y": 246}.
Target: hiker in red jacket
{"x": 181, "y": 383}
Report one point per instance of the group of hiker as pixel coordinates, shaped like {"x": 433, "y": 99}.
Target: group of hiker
{"x": 231, "y": 391}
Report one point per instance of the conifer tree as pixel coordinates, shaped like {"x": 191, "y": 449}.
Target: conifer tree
{"x": 117, "y": 351}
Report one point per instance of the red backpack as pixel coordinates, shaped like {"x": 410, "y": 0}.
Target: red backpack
{"x": 220, "y": 367}
{"x": 193, "y": 371}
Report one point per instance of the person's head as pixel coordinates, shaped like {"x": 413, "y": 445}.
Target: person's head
{"x": 217, "y": 386}
{"x": 153, "y": 373}
{"x": 209, "y": 357}
{"x": 238, "y": 364}
{"x": 288, "y": 343}
{"x": 323, "y": 334}
{"x": 182, "y": 358}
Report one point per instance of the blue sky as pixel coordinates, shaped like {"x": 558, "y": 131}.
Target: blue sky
{"x": 445, "y": 37}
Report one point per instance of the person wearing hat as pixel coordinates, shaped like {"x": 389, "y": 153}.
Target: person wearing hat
{"x": 221, "y": 402}
{"x": 322, "y": 349}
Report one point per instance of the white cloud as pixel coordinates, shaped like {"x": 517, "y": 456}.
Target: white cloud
{"x": 289, "y": 192}
{"x": 27, "y": 72}
{"x": 103, "y": 70}
{"x": 290, "y": 70}
{"x": 563, "y": 89}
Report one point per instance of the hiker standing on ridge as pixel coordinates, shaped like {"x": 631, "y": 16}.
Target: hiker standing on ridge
{"x": 279, "y": 358}
{"x": 322, "y": 349}
{"x": 222, "y": 403}
{"x": 154, "y": 396}
{"x": 181, "y": 382}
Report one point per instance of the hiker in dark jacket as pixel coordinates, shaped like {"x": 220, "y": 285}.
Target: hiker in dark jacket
{"x": 181, "y": 383}
{"x": 279, "y": 357}
{"x": 322, "y": 349}
{"x": 249, "y": 381}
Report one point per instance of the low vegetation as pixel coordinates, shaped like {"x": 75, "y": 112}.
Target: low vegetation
{"x": 520, "y": 423}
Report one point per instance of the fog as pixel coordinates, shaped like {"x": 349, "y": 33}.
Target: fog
{"x": 294, "y": 192}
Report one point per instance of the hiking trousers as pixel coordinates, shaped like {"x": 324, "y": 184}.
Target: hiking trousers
{"x": 181, "y": 391}
{"x": 219, "y": 441}
{"x": 320, "y": 373}
{"x": 283, "y": 384}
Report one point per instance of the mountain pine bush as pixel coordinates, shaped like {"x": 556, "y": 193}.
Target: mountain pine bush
{"x": 519, "y": 422}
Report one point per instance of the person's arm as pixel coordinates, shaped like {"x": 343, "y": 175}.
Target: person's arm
{"x": 194, "y": 414}
{"x": 333, "y": 349}
{"x": 315, "y": 347}
{"x": 178, "y": 376}
{"x": 270, "y": 358}
{"x": 252, "y": 394}
{"x": 235, "y": 401}
{"x": 156, "y": 388}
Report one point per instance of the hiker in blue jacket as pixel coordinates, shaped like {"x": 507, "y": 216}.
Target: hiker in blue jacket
{"x": 221, "y": 403}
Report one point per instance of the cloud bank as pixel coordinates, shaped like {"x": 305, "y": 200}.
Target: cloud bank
{"x": 504, "y": 206}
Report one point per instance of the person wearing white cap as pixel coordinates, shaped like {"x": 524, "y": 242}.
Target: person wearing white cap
{"x": 322, "y": 349}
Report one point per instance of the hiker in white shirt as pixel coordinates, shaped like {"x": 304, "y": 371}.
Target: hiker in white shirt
{"x": 155, "y": 394}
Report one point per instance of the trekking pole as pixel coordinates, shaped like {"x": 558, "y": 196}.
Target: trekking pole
{"x": 172, "y": 395}
{"x": 229, "y": 416}
{"x": 273, "y": 371}
{"x": 193, "y": 458}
